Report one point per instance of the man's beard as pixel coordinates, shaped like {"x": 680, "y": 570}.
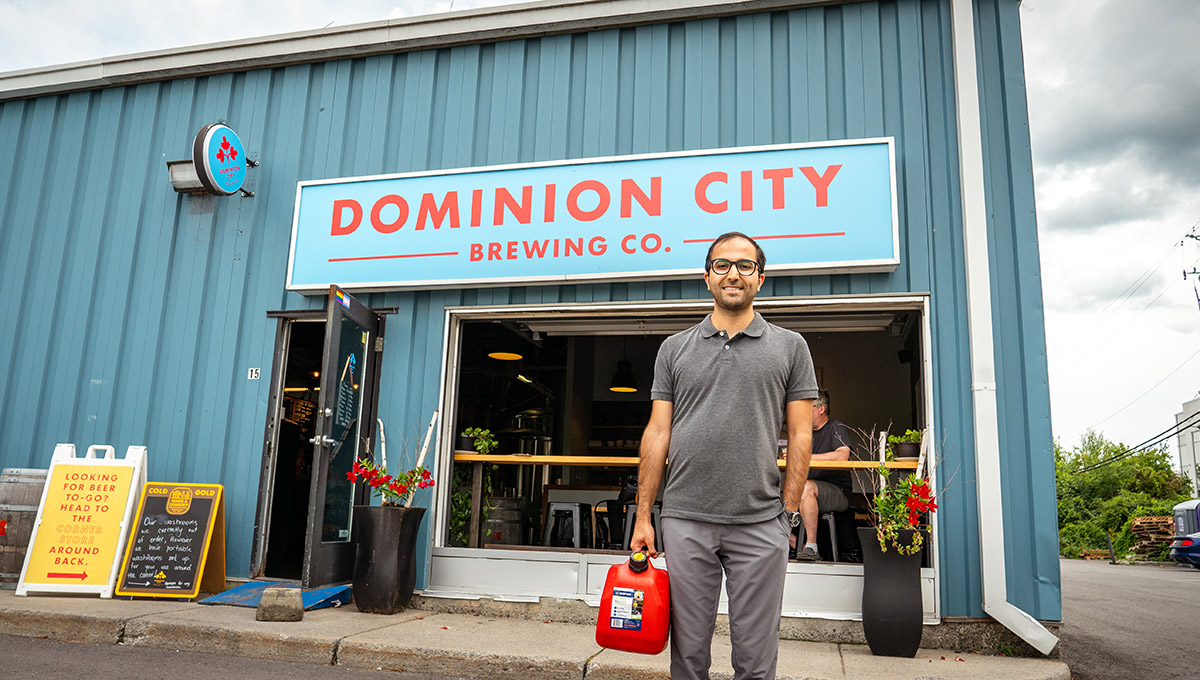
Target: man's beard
{"x": 730, "y": 306}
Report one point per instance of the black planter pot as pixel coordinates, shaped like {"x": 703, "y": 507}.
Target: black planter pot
{"x": 891, "y": 603}
{"x": 385, "y": 562}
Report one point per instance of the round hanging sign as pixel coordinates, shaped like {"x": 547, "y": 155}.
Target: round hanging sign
{"x": 219, "y": 158}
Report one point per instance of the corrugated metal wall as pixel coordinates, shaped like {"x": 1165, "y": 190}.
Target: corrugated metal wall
{"x": 133, "y": 313}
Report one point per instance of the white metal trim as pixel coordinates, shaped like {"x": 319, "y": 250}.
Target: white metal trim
{"x": 979, "y": 331}
{"x": 832, "y": 302}
{"x": 447, "y": 390}
{"x": 931, "y": 427}
{"x": 492, "y": 24}
{"x": 512, "y": 567}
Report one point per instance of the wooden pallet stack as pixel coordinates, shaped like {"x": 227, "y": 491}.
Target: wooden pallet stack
{"x": 1151, "y": 533}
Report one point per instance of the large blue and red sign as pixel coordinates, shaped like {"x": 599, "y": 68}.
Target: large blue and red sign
{"x": 813, "y": 207}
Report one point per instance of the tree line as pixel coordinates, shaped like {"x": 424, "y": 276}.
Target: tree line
{"x": 1103, "y": 486}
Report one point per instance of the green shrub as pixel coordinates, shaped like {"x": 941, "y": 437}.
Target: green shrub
{"x": 1102, "y": 487}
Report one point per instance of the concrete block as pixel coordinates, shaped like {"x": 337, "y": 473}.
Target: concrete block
{"x": 280, "y": 604}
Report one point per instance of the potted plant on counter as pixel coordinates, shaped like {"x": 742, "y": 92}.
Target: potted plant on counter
{"x": 481, "y": 439}
{"x": 907, "y": 445}
{"x": 385, "y": 569}
{"x": 891, "y": 604}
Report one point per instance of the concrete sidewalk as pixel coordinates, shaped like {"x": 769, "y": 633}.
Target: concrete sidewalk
{"x": 461, "y": 645}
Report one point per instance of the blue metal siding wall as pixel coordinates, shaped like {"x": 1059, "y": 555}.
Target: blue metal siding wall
{"x": 134, "y": 313}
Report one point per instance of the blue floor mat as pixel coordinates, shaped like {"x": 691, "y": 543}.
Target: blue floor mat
{"x": 250, "y": 594}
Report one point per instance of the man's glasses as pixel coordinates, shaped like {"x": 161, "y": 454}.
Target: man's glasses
{"x": 720, "y": 266}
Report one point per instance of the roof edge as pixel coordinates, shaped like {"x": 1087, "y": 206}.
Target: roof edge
{"x": 490, "y": 24}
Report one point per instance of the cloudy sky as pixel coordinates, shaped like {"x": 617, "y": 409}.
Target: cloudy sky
{"x": 1114, "y": 100}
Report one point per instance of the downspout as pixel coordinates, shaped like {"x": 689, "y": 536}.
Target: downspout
{"x": 979, "y": 331}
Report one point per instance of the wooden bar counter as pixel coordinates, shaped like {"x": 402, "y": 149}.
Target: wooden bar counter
{"x": 478, "y": 460}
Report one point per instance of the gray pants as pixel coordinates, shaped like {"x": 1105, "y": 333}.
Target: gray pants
{"x": 753, "y": 558}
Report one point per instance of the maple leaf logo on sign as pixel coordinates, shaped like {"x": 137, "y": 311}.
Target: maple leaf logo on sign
{"x": 226, "y": 152}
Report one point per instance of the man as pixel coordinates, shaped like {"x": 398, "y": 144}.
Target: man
{"x": 825, "y": 490}
{"x": 720, "y": 395}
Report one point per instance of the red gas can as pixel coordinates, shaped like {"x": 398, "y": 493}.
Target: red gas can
{"x": 635, "y": 607}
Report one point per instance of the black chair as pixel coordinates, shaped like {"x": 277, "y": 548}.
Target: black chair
{"x": 610, "y": 531}
{"x": 568, "y": 525}
{"x": 610, "y": 521}
{"x": 655, "y": 522}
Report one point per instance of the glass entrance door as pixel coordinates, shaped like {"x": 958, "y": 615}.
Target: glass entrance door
{"x": 345, "y": 427}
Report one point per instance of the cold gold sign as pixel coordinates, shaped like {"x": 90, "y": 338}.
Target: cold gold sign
{"x": 169, "y": 546}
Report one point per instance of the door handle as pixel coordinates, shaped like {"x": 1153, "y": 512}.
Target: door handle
{"x": 326, "y": 440}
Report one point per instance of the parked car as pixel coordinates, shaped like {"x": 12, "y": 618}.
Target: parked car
{"x": 1186, "y": 550}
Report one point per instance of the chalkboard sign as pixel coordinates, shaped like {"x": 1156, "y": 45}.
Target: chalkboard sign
{"x": 177, "y": 544}
{"x": 299, "y": 411}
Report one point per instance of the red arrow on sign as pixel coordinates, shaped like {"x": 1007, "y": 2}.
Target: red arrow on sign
{"x": 58, "y": 575}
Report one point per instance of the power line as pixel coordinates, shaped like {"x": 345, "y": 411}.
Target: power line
{"x": 1122, "y": 297}
{"x": 1185, "y": 361}
{"x": 1149, "y": 443}
{"x": 1140, "y": 448}
{"x": 1111, "y": 334}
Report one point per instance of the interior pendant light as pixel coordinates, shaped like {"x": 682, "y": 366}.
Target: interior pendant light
{"x": 506, "y": 347}
{"x": 623, "y": 380}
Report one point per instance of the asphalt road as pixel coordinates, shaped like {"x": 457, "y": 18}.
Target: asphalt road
{"x": 1129, "y": 621}
{"x": 25, "y": 657}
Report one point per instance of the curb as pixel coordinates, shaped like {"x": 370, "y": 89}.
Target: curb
{"x": 457, "y": 645}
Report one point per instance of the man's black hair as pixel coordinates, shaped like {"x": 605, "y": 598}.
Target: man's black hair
{"x": 758, "y": 251}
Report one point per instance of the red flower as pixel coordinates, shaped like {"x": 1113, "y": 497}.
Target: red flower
{"x": 394, "y": 489}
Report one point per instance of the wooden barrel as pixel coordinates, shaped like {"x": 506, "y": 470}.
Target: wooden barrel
{"x": 505, "y": 523}
{"x": 20, "y": 495}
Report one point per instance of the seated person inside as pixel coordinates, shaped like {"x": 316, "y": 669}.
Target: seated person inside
{"x": 825, "y": 490}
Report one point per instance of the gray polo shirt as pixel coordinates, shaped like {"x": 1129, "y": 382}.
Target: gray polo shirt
{"x": 728, "y": 400}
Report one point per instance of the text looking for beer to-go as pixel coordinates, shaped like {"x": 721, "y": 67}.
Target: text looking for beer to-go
{"x": 81, "y": 521}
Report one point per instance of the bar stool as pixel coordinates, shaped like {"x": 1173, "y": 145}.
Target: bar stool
{"x": 830, "y": 519}
{"x": 655, "y": 522}
{"x": 568, "y": 525}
